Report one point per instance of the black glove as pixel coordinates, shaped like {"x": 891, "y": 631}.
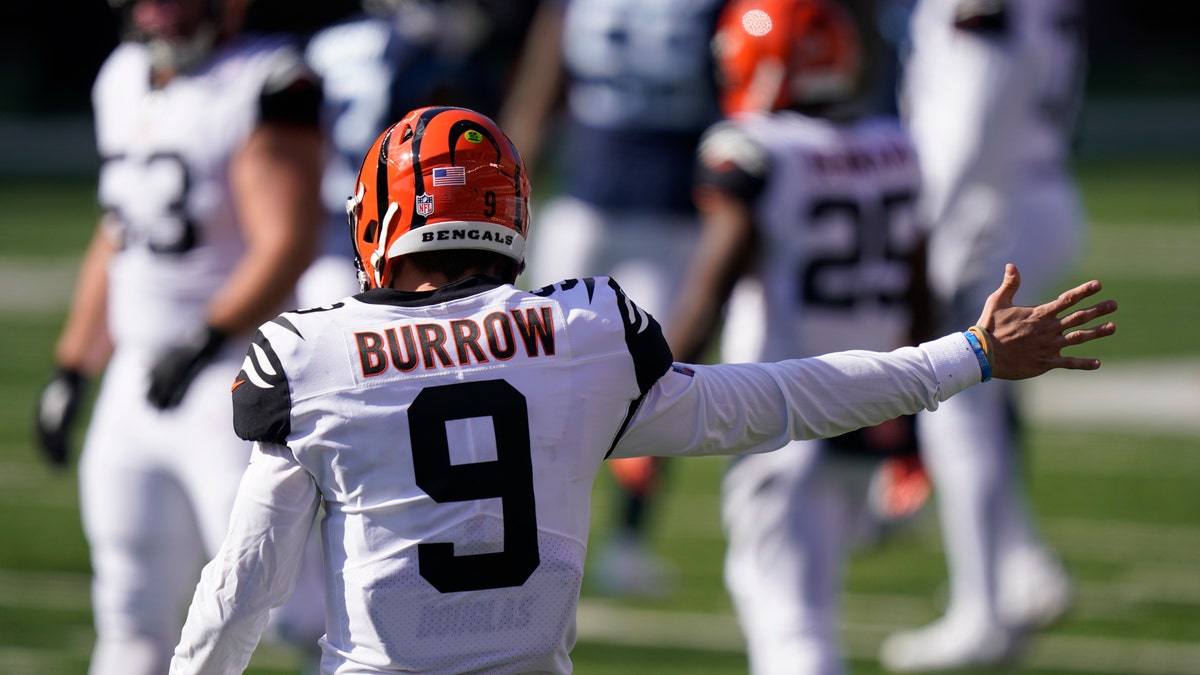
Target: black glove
{"x": 56, "y": 410}
{"x": 178, "y": 366}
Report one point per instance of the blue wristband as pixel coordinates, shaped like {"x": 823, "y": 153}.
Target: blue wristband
{"x": 984, "y": 366}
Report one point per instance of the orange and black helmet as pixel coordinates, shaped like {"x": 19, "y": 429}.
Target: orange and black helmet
{"x": 442, "y": 178}
{"x": 774, "y": 54}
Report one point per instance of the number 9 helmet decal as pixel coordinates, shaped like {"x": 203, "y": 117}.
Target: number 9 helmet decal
{"x": 773, "y": 54}
{"x": 442, "y": 178}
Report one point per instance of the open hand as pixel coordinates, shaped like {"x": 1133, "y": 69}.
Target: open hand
{"x": 1028, "y": 341}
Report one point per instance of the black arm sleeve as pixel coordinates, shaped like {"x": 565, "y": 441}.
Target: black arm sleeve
{"x": 262, "y": 399}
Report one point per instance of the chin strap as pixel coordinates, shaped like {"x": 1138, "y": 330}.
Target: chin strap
{"x": 379, "y": 257}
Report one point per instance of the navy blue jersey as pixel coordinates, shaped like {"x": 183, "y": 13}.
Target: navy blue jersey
{"x": 641, "y": 92}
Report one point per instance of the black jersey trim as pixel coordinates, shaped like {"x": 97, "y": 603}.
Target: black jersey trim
{"x": 463, "y": 288}
{"x": 634, "y": 405}
{"x": 733, "y": 178}
{"x": 282, "y": 322}
{"x": 644, "y": 338}
{"x": 262, "y": 398}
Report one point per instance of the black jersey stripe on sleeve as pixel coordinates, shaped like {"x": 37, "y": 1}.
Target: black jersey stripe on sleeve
{"x": 262, "y": 399}
{"x": 589, "y": 284}
{"x": 643, "y": 335}
{"x": 644, "y": 338}
{"x": 283, "y": 322}
{"x": 648, "y": 347}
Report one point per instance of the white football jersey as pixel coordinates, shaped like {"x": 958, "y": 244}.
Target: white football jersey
{"x": 834, "y": 217}
{"x": 451, "y": 427}
{"x": 984, "y": 105}
{"x": 453, "y": 437}
{"x": 992, "y": 113}
{"x": 165, "y": 178}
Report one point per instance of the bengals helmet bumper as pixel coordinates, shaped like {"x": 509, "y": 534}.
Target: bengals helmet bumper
{"x": 442, "y": 178}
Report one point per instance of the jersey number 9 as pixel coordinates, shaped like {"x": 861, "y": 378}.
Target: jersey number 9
{"x": 509, "y": 477}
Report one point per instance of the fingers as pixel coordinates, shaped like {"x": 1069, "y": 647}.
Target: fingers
{"x": 1008, "y": 287}
{"x": 1074, "y": 296}
{"x": 1075, "y": 363}
{"x": 1001, "y": 298}
{"x": 1088, "y": 314}
{"x": 1078, "y": 337}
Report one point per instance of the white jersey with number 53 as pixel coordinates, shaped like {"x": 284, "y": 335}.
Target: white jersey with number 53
{"x": 165, "y": 177}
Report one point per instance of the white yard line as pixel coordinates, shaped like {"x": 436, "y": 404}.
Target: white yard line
{"x": 1148, "y": 396}
{"x": 37, "y": 286}
{"x": 1151, "y": 396}
{"x": 867, "y": 618}
{"x": 27, "y": 661}
{"x": 1145, "y": 251}
{"x": 605, "y": 623}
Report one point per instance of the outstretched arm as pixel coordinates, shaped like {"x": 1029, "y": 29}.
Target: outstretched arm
{"x": 756, "y": 407}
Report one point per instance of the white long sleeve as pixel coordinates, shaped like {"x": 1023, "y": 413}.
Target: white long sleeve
{"x": 256, "y": 568}
{"x": 758, "y": 407}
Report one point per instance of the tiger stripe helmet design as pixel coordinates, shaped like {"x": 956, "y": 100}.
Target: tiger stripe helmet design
{"x": 441, "y": 178}
{"x": 773, "y": 54}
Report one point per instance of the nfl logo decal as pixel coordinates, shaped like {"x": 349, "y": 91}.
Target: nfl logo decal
{"x": 424, "y": 204}
{"x": 449, "y": 175}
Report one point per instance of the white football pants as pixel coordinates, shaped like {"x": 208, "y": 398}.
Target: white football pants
{"x": 157, "y": 488}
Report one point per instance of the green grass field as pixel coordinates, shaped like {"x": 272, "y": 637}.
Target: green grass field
{"x": 1120, "y": 502}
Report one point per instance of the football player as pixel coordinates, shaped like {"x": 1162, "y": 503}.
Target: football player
{"x": 810, "y": 244}
{"x": 991, "y": 92}
{"x": 211, "y": 161}
{"x": 637, "y": 82}
{"x": 452, "y": 425}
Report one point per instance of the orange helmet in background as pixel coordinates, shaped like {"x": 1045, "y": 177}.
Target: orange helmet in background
{"x": 442, "y": 178}
{"x": 773, "y": 54}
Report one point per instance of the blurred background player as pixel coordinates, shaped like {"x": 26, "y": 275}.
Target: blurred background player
{"x": 637, "y": 80}
{"x": 211, "y": 162}
{"x": 381, "y": 59}
{"x": 808, "y": 233}
{"x": 991, "y": 93}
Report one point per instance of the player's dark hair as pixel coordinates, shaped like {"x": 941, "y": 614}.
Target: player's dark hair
{"x": 457, "y": 263}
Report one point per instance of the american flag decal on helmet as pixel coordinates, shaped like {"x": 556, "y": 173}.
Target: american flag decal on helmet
{"x": 449, "y": 175}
